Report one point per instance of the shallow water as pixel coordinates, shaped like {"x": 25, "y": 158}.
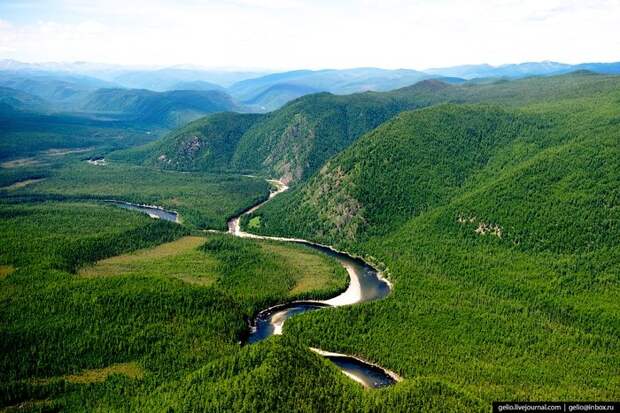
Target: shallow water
{"x": 362, "y": 372}
{"x": 365, "y": 284}
{"x": 153, "y": 212}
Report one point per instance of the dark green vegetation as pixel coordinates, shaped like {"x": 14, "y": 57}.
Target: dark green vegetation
{"x": 204, "y": 201}
{"x": 493, "y": 205}
{"x": 56, "y": 324}
{"x": 293, "y": 142}
{"x": 500, "y": 226}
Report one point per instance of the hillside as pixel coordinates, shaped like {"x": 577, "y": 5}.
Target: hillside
{"x": 173, "y": 108}
{"x": 276, "y": 96}
{"x": 424, "y": 159}
{"x": 207, "y": 144}
{"x": 293, "y": 142}
{"x": 498, "y": 226}
{"x": 296, "y": 140}
{"x": 12, "y": 99}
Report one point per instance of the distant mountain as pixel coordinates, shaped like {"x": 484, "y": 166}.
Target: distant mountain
{"x": 170, "y": 109}
{"x": 168, "y": 79}
{"x": 544, "y": 68}
{"x": 607, "y": 68}
{"x": 51, "y": 86}
{"x": 277, "y": 96}
{"x": 140, "y": 77}
{"x": 196, "y": 85}
{"x": 511, "y": 70}
{"x": 334, "y": 81}
{"x": 256, "y": 90}
{"x": 16, "y": 100}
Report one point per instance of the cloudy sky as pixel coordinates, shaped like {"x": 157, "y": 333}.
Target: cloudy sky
{"x": 287, "y": 34}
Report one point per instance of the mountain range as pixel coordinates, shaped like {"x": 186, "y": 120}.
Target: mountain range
{"x": 257, "y": 91}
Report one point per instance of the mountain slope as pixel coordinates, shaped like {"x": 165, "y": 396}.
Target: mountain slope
{"x": 207, "y": 144}
{"x": 499, "y": 227}
{"x": 425, "y": 158}
{"x": 296, "y": 140}
{"x": 173, "y": 108}
{"x": 293, "y": 142}
{"x": 334, "y": 81}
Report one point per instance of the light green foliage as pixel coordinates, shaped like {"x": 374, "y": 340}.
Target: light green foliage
{"x": 254, "y": 223}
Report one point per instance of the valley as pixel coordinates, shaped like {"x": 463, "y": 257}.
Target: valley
{"x": 445, "y": 245}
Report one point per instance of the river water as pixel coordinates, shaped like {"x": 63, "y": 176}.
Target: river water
{"x": 365, "y": 284}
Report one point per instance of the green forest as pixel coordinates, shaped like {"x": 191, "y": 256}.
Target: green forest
{"x": 499, "y": 226}
{"x": 492, "y": 206}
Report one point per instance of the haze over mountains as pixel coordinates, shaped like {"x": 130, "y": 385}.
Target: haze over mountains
{"x": 251, "y": 91}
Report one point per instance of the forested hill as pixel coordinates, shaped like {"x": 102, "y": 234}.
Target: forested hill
{"x": 293, "y": 142}
{"x": 205, "y": 144}
{"x": 290, "y": 143}
{"x": 504, "y": 164}
{"x": 296, "y": 140}
{"x": 499, "y": 227}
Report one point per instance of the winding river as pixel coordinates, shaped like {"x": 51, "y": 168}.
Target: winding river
{"x": 366, "y": 284}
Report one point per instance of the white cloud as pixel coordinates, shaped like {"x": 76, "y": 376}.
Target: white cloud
{"x": 320, "y": 33}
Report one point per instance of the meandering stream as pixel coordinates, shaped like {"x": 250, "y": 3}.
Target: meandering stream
{"x": 366, "y": 284}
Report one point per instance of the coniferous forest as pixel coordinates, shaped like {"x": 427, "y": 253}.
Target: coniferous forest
{"x": 199, "y": 238}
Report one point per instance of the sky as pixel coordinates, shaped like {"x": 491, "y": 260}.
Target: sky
{"x": 312, "y": 34}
